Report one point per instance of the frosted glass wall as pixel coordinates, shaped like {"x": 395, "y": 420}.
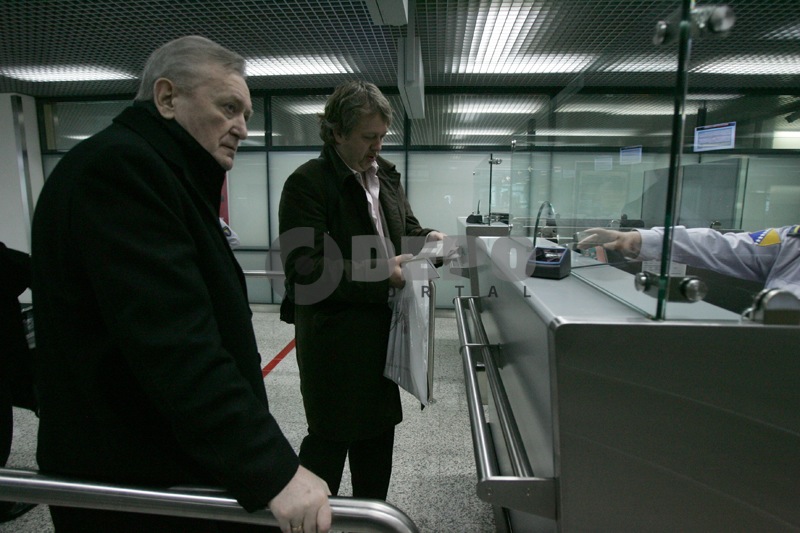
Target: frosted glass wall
{"x": 443, "y": 184}
{"x": 247, "y": 199}
{"x": 441, "y": 187}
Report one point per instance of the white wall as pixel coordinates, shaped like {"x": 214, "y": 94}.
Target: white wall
{"x": 18, "y": 192}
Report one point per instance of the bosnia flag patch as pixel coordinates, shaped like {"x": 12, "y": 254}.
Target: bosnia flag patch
{"x": 766, "y": 237}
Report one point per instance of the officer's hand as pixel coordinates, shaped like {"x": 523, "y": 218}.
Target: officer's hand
{"x": 629, "y": 243}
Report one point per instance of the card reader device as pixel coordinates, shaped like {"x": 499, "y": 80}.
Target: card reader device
{"x": 550, "y": 263}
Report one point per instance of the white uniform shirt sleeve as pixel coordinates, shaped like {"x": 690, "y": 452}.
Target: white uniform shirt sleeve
{"x": 233, "y": 238}
{"x": 734, "y": 254}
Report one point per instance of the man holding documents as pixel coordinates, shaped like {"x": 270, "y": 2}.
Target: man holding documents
{"x": 344, "y": 228}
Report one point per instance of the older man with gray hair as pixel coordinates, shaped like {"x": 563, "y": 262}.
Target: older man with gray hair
{"x": 148, "y": 364}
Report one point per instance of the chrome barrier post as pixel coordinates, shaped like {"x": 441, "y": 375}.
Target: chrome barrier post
{"x": 523, "y": 491}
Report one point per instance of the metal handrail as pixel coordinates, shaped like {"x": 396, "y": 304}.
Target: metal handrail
{"x": 271, "y": 274}
{"x": 205, "y": 503}
{"x": 523, "y": 491}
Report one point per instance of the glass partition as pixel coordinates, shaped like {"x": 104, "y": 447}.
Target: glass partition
{"x": 649, "y": 184}
{"x": 492, "y": 188}
{"x": 295, "y": 120}
{"x": 68, "y": 123}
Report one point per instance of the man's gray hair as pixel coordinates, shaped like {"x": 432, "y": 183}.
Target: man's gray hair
{"x": 184, "y": 61}
{"x": 348, "y": 104}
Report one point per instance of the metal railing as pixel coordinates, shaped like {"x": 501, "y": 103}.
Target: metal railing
{"x": 523, "y": 491}
{"x": 28, "y": 486}
{"x": 271, "y": 274}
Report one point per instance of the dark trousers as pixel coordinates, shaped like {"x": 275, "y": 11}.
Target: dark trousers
{"x": 370, "y": 463}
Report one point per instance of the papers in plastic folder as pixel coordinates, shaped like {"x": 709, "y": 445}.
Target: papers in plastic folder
{"x": 437, "y": 251}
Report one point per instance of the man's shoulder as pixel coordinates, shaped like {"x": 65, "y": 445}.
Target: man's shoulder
{"x": 113, "y": 142}
{"x": 313, "y": 167}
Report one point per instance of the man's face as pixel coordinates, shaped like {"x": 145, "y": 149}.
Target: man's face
{"x": 215, "y": 113}
{"x": 361, "y": 146}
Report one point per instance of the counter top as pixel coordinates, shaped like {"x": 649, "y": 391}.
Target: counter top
{"x": 593, "y": 291}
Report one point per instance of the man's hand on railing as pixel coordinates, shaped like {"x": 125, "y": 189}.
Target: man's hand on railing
{"x": 302, "y": 505}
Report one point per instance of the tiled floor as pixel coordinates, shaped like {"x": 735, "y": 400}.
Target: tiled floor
{"x": 434, "y": 471}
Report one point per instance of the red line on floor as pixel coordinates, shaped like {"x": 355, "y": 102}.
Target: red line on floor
{"x": 278, "y": 358}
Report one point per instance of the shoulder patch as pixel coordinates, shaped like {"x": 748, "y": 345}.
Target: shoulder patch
{"x": 766, "y": 237}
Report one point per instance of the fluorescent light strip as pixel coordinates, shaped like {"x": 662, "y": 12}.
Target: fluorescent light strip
{"x": 665, "y": 108}
{"x": 644, "y": 64}
{"x": 787, "y": 33}
{"x": 316, "y": 108}
{"x": 752, "y": 65}
{"x": 469, "y": 132}
{"x": 699, "y": 97}
{"x": 495, "y": 45}
{"x": 526, "y": 64}
{"x": 525, "y": 108}
{"x": 297, "y": 66}
{"x": 494, "y": 39}
{"x": 40, "y": 74}
{"x": 588, "y": 132}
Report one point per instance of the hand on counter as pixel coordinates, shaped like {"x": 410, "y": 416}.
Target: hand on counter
{"x": 629, "y": 243}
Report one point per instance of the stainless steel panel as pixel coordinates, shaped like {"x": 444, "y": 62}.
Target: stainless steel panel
{"x": 647, "y": 425}
{"x": 681, "y": 427}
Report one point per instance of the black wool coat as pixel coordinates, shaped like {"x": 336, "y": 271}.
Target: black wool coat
{"x": 149, "y": 369}
{"x": 340, "y": 288}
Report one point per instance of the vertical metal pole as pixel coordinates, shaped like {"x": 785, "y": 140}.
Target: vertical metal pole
{"x": 491, "y": 162}
{"x": 678, "y": 120}
{"x": 431, "y": 335}
{"x": 18, "y": 117}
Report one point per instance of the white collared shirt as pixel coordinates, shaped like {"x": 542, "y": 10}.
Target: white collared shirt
{"x": 372, "y": 187}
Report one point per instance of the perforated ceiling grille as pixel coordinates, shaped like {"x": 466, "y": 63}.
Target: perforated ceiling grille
{"x": 465, "y": 43}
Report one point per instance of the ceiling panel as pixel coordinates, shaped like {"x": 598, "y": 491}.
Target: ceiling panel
{"x": 490, "y": 66}
{"x": 465, "y": 43}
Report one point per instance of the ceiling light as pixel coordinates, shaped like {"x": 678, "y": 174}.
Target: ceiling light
{"x": 524, "y": 64}
{"x": 469, "y": 132}
{"x": 652, "y": 108}
{"x": 64, "y": 73}
{"x": 506, "y": 108}
{"x": 788, "y": 33}
{"x": 644, "y": 64}
{"x": 297, "y": 66}
{"x": 713, "y": 96}
{"x": 588, "y": 132}
{"x": 752, "y": 65}
{"x": 311, "y": 108}
{"x": 502, "y": 35}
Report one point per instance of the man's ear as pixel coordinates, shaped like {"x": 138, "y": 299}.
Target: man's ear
{"x": 163, "y": 97}
{"x": 338, "y": 137}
